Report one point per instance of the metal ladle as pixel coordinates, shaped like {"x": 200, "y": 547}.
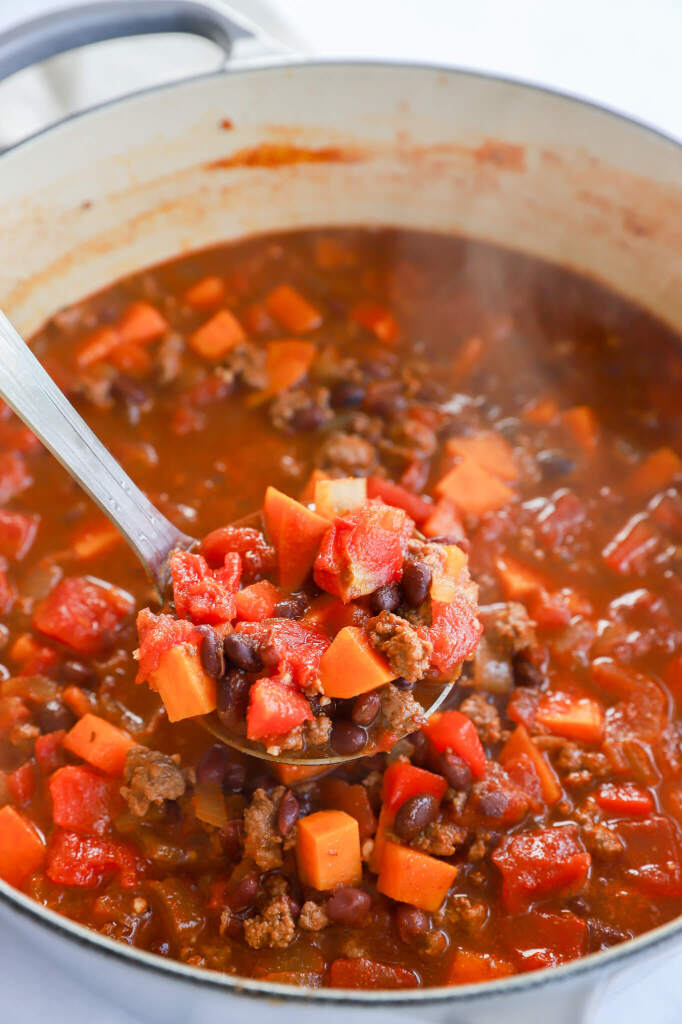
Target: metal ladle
{"x": 32, "y": 394}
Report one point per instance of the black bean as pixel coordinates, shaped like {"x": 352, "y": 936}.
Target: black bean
{"x": 310, "y": 417}
{"x": 258, "y": 781}
{"x": 526, "y": 672}
{"x": 214, "y": 764}
{"x": 402, "y": 684}
{"x": 78, "y": 673}
{"x": 420, "y": 748}
{"x": 290, "y": 608}
{"x": 411, "y": 922}
{"x": 241, "y": 653}
{"x": 386, "y": 599}
{"x": 211, "y": 653}
{"x": 348, "y": 906}
{"x": 233, "y": 691}
{"x": 385, "y": 398}
{"x": 376, "y": 368}
{"x": 416, "y": 582}
{"x": 454, "y": 770}
{"x": 54, "y": 715}
{"x": 554, "y": 464}
{"x": 366, "y": 707}
{"x": 242, "y": 894}
{"x": 346, "y": 738}
{"x": 130, "y": 390}
{"x": 415, "y": 814}
{"x": 347, "y": 395}
{"x": 234, "y": 778}
{"x": 287, "y": 813}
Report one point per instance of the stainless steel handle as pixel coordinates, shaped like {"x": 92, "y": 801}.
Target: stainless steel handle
{"x": 36, "y": 40}
{"x": 36, "y": 399}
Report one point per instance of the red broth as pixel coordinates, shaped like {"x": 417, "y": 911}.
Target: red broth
{"x": 532, "y": 418}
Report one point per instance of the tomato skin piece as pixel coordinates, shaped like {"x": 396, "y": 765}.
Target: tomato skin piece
{"x": 363, "y": 550}
{"x": 85, "y": 860}
{"x": 534, "y": 864}
{"x": 454, "y": 731}
{"x": 203, "y": 595}
{"x": 82, "y": 614}
{"x": 624, "y": 798}
{"x": 82, "y": 800}
{"x": 275, "y": 707}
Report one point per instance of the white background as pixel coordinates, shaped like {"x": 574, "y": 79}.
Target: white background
{"x": 626, "y": 54}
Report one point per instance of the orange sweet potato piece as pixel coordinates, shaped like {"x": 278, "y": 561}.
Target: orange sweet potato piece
{"x": 362, "y": 973}
{"x": 97, "y": 346}
{"x": 581, "y": 423}
{"x": 474, "y": 490}
{"x": 351, "y": 666}
{"x": 576, "y": 718}
{"x": 286, "y": 362}
{"x": 300, "y": 534}
{"x": 444, "y": 584}
{"x": 290, "y": 774}
{"x": 217, "y": 336}
{"x": 205, "y": 293}
{"x": 185, "y": 689}
{"x": 443, "y": 521}
{"x": 140, "y": 323}
{"x": 491, "y": 451}
{"x": 99, "y": 743}
{"x": 292, "y": 311}
{"x": 307, "y": 495}
{"x": 656, "y": 471}
{"x": 22, "y": 848}
{"x": 541, "y": 413}
{"x": 80, "y": 701}
{"x": 375, "y": 317}
{"x": 520, "y": 744}
{"x": 410, "y": 876}
{"x": 132, "y": 358}
{"x": 333, "y": 498}
{"x": 95, "y": 540}
{"x": 257, "y": 601}
{"x": 468, "y": 967}
{"x": 328, "y": 850}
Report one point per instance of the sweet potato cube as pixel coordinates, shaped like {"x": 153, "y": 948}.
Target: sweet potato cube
{"x": 291, "y": 310}
{"x": 378, "y": 319}
{"x": 291, "y": 774}
{"x": 444, "y": 584}
{"x": 576, "y": 718}
{"x": 491, "y": 451}
{"x": 474, "y": 490}
{"x": 409, "y": 876}
{"x": 582, "y": 425}
{"x": 657, "y": 471}
{"x": 328, "y": 850}
{"x": 185, "y": 689}
{"x": 351, "y": 666}
{"x": 335, "y": 497}
{"x": 286, "y": 362}
{"x": 307, "y": 495}
{"x": 141, "y": 323}
{"x": 520, "y": 745}
{"x": 22, "y": 848}
{"x": 97, "y": 346}
{"x": 257, "y": 601}
{"x": 299, "y": 533}
{"x": 468, "y": 967}
{"x": 99, "y": 743}
{"x": 217, "y": 336}
{"x": 205, "y": 293}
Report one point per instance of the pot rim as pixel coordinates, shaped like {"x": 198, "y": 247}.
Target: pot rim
{"x": 19, "y": 903}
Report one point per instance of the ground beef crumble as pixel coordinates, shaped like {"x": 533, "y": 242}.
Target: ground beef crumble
{"x": 601, "y": 841}
{"x": 274, "y": 928}
{"x": 150, "y": 777}
{"x": 313, "y": 917}
{"x": 407, "y": 650}
{"x": 485, "y": 717}
{"x": 348, "y": 452}
{"x": 508, "y": 627}
{"x": 297, "y": 409}
{"x": 440, "y": 838}
{"x": 402, "y": 712}
{"x": 262, "y": 841}
{"x": 246, "y": 364}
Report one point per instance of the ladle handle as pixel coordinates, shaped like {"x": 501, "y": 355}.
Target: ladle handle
{"x": 35, "y": 398}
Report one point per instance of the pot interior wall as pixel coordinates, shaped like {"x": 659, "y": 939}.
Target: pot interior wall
{"x": 256, "y": 150}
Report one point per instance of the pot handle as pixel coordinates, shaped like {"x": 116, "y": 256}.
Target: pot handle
{"x": 71, "y": 27}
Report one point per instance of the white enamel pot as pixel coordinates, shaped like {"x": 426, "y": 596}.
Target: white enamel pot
{"x": 154, "y": 175}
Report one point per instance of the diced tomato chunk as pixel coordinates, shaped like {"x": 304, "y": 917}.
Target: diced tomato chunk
{"x": 82, "y": 800}
{"x": 7, "y": 593}
{"x": 624, "y": 798}
{"x": 297, "y": 646}
{"x": 376, "y": 318}
{"x": 158, "y": 634}
{"x": 14, "y": 475}
{"x": 275, "y": 708}
{"x": 534, "y": 864}
{"x": 22, "y": 782}
{"x": 201, "y": 594}
{"x": 82, "y": 614}
{"x": 577, "y": 718}
{"x": 258, "y": 558}
{"x": 17, "y": 533}
{"x": 538, "y": 940}
{"x": 451, "y": 730}
{"x": 652, "y": 855}
{"x": 49, "y": 752}
{"x": 361, "y": 972}
{"x": 403, "y": 780}
{"x": 416, "y": 507}
{"x": 454, "y": 632}
{"x": 257, "y": 602}
{"x": 86, "y": 860}
{"x": 632, "y": 548}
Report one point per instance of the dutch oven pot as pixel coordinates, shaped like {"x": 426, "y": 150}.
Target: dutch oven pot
{"x": 157, "y": 174}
